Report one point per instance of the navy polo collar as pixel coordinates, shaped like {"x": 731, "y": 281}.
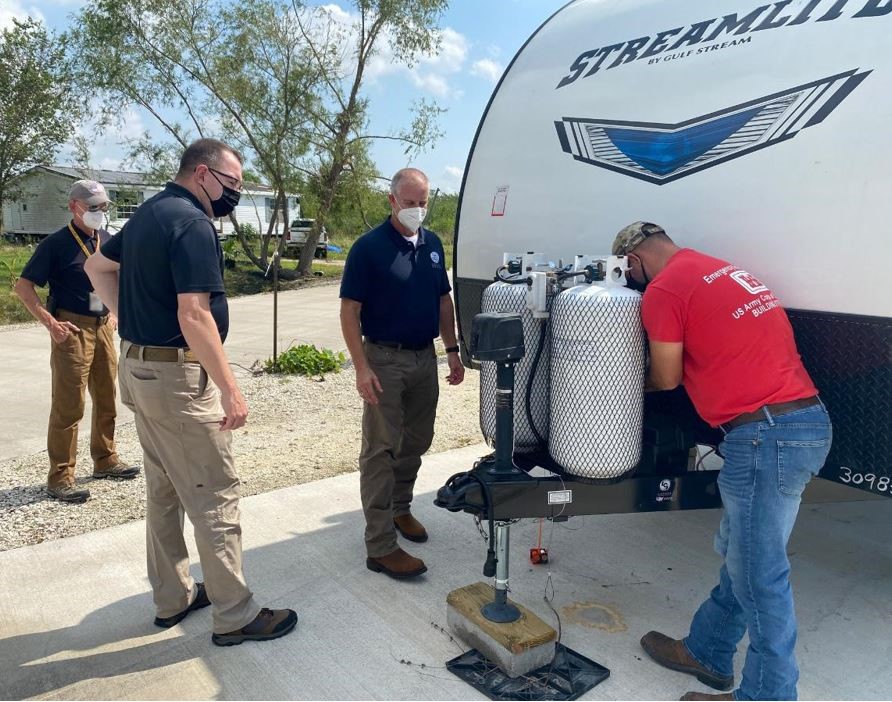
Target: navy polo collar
{"x": 401, "y": 241}
{"x": 81, "y": 234}
{"x": 179, "y": 190}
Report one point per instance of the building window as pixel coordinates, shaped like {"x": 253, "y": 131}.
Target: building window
{"x": 24, "y": 207}
{"x": 124, "y": 203}
{"x": 272, "y": 212}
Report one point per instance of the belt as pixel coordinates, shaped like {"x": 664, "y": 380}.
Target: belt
{"x": 775, "y": 410}
{"x": 400, "y": 347}
{"x": 168, "y": 354}
{"x": 82, "y": 319}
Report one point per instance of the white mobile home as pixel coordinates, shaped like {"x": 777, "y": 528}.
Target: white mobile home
{"x": 43, "y": 207}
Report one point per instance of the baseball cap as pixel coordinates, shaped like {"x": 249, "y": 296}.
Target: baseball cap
{"x": 632, "y": 235}
{"x": 88, "y": 191}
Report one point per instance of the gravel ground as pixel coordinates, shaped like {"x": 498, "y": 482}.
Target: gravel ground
{"x": 299, "y": 430}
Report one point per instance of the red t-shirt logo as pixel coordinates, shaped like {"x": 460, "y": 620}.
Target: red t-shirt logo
{"x": 748, "y": 282}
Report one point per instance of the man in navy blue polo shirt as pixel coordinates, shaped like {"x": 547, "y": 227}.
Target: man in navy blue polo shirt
{"x": 394, "y": 301}
{"x": 164, "y": 275}
{"x": 83, "y": 347}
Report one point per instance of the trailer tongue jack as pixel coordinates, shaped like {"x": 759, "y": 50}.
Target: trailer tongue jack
{"x": 517, "y": 655}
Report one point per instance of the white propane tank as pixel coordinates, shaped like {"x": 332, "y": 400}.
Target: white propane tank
{"x": 597, "y": 377}
{"x": 505, "y": 297}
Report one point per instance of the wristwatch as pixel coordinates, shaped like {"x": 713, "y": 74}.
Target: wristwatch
{"x": 452, "y": 349}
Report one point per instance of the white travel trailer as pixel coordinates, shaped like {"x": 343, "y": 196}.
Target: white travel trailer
{"x": 755, "y": 132}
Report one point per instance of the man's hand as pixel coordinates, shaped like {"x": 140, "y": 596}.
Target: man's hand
{"x": 367, "y": 385}
{"x": 235, "y": 409}
{"x": 60, "y": 331}
{"x": 456, "y": 369}
{"x": 112, "y": 321}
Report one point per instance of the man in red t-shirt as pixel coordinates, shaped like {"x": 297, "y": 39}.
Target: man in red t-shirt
{"x": 720, "y": 332}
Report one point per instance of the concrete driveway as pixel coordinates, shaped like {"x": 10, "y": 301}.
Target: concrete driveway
{"x": 308, "y": 315}
{"x": 76, "y": 614}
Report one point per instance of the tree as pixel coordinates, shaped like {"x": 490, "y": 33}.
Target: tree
{"x": 280, "y": 80}
{"x": 238, "y": 72}
{"x": 408, "y": 28}
{"x": 36, "y": 96}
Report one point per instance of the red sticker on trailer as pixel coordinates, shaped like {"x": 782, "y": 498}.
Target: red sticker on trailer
{"x": 499, "y": 201}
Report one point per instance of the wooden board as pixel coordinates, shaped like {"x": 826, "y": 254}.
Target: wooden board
{"x": 527, "y": 632}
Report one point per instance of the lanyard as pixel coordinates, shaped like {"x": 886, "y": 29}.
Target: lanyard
{"x": 80, "y": 242}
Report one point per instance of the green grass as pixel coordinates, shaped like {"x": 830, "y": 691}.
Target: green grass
{"x": 12, "y": 260}
{"x": 247, "y": 279}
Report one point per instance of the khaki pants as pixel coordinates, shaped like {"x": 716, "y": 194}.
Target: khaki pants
{"x": 189, "y": 469}
{"x": 395, "y": 433}
{"x": 85, "y": 359}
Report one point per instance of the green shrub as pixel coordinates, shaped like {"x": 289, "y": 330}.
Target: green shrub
{"x": 306, "y": 359}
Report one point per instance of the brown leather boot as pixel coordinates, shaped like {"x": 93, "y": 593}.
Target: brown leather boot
{"x": 119, "y": 471}
{"x": 704, "y": 696}
{"x": 398, "y": 564}
{"x": 410, "y": 528}
{"x": 69, "y": 493}
{"x": 672, "y": 654}
{"x": 269, "y": 624}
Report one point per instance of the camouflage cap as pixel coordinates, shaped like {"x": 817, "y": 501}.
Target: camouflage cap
{"x": 88, "y": 191}
{"x": 631, "y": 236}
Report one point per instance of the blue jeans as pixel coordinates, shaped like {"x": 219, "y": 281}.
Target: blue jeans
{"x": 767, "y": 466}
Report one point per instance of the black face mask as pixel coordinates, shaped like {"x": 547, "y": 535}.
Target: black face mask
{"x": 227, "y": 202}
{"x": 634, "y": 284}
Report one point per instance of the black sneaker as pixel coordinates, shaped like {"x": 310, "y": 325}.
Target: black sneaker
{"x": 69, "y": 493}
{"x": 119, "y": 471}
{"x": 269, "y": 624}
{"x": 201, "y": 600}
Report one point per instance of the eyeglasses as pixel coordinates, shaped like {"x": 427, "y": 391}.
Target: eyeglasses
{"x": 98, "y": 208}
{"x": 234, "y": 183}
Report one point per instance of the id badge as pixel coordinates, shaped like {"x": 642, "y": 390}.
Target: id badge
{"x": 95, "y": 303}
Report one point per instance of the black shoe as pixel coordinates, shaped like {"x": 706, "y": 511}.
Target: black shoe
{"x": 69, "y": 493}
{"x": 119, "y": 471}
{"x": 269, "y": 624}
{"x": 201, "y": 600}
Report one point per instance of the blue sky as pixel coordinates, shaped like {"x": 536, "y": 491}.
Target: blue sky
{"x": 480, "y": 38}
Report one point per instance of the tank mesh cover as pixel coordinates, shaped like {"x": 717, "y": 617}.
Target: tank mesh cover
{"x": 597, "y": 381}
{"x": 504, "y": 297}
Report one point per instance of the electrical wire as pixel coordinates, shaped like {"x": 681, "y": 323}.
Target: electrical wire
{"x": 700, "y": 458}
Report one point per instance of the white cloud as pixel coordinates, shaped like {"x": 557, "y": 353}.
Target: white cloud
{"x": 487, "y": 68}
{"x": 451, "y": 182}
{"x": 431, "y": 72}
{"x": 107, "y": 150}
{"x": 15, "y": 9}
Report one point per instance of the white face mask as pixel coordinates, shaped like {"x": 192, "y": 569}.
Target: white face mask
{"x": 411, "y": 217}
{"x": 94, "y": 220}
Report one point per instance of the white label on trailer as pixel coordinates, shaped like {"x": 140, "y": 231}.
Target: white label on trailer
{"x": 560, "y": 497}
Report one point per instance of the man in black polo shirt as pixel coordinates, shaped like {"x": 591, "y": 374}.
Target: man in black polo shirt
{"x": 164, "y": 275}
{"x": 395, "y": 293}
{"x": 83, "y": 349}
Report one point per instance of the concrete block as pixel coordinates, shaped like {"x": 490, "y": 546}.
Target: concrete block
{"x": 516, "y": 648}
